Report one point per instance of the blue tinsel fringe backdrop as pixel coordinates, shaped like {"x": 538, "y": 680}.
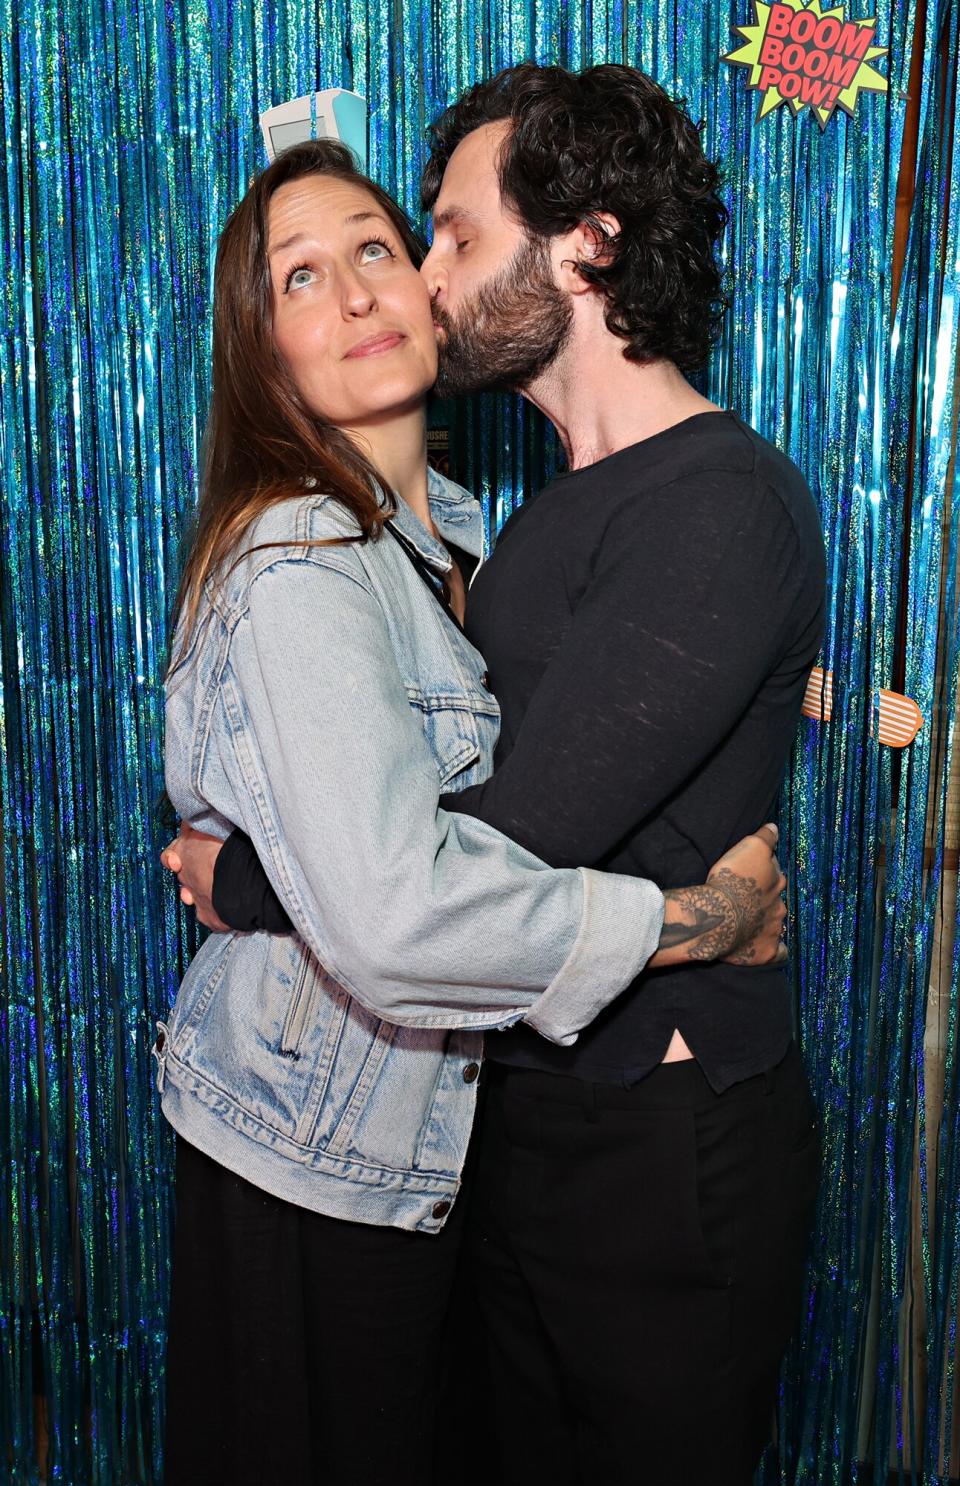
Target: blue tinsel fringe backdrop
{"x": 129, "y": 132}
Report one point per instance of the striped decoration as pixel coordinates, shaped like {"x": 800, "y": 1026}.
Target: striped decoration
{"x": 899, "y": 719}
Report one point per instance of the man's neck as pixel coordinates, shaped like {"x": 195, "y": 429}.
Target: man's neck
{"x": 599, "y": 402}
{"x": 397, "y": 448}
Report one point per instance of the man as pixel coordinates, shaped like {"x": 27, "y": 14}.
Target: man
{"x": 641, "y": 1198}
{"x": 649, "y": 622}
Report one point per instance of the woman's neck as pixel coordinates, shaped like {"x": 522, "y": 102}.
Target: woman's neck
{"x": 397, "y": 448}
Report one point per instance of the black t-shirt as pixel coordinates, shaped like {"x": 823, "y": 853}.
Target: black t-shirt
{"x": 648, "y": 624}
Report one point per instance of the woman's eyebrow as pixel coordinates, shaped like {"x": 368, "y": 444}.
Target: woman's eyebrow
{"x": 288, "y": 242}
{"x": 297, "y": 237}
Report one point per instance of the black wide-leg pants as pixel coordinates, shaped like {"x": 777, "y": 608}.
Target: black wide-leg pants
{"x": 638, "y": 1255}
{"x": 303, "y": 1350}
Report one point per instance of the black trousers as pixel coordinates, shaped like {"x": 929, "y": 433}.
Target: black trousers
{"x": 638, "y": 1256}
{"x": 303, "y": 1351}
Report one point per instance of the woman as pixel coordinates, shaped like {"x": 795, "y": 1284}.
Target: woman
{"x": 321, "y": 697}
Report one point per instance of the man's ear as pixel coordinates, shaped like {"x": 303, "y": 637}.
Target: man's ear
{"x": 588, "y": 242}
{"x": 597, "y": 234}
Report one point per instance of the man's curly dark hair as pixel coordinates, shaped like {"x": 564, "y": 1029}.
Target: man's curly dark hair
{"x": 609, "y": 139}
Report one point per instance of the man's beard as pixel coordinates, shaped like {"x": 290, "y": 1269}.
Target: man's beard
{"x": 514, "y": 327}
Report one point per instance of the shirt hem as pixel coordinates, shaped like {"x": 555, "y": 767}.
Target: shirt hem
{"x": 720, "y": 1076}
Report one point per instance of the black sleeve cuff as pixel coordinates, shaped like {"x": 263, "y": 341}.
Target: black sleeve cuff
{"x": 241, "y": 894}
{"x": 464, "y": 801}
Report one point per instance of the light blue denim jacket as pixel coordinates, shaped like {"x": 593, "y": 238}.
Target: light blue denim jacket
{"x": 324, "y": 703}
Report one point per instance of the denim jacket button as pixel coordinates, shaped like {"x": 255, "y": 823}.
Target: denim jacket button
{"x": 470, "y": 1072}
{"x": 440, "y": 1209}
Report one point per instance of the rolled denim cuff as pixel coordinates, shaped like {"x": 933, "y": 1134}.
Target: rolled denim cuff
{"x": 619, "y": 931}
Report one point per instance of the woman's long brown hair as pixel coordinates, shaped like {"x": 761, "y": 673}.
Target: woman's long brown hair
{"x": 262, "y": 443}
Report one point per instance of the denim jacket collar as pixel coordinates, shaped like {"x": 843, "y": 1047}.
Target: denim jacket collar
{"x": 457, "y": 517}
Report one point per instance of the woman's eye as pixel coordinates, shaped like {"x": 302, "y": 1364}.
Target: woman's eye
{"x": 298, "y": 278}
{"x": 373, "y": 251}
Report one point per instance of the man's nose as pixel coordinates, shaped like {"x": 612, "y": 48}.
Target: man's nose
{"x": 433, "y": 275}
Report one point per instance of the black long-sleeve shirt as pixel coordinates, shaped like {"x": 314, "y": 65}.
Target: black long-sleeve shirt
{"x": 649, "y": 623}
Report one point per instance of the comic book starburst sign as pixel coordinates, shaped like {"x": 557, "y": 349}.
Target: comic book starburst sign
{"x": 808, "y": 57}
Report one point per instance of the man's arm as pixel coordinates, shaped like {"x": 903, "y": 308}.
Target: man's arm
{"x": 682, "y": 623}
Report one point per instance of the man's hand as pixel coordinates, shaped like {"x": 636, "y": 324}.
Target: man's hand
{"x": 751, "y": 874}
{"x": 737, "y": 915}
{"x": 191, "y": 859}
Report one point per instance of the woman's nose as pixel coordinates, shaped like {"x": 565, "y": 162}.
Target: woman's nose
{"x": 357, "y": 296}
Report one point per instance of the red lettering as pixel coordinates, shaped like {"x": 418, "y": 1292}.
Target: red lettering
{"x": 804, "y": 25}
{"x": 793, "y": 57}
{"x": 771, "y": 52}
{"x": 769, "y": 78}
{"x": 815, "y": 65}
{"x": 854, "y": 40}
{"x": 789, "y": 86}
{"x": 814, "y": 93}
{"x": 840, "y": 71}
{"x": 779, "y": 20}
{"x": 827, "y": 32}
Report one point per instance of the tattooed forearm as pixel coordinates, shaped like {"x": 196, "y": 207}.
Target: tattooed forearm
{"x": 696, "y": 920}
{"x": 714, "y": 920}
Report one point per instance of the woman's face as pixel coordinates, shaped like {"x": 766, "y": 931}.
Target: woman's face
{"x": 351, "y": 314}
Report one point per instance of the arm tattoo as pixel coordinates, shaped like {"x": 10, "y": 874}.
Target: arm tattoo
{"x": 699, "y": 918}
{"x": 719, "y": 917}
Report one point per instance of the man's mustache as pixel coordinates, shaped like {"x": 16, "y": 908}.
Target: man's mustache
{"x": 443, "y": 318}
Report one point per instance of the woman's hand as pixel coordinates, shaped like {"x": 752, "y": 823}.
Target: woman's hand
{"x": 737, "y": 915}
{"x": 191, "y": 858}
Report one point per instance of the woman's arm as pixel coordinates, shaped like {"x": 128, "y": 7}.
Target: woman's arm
{"x": 429, "y": 919}
{"x": 737, "y": 914}
{"x": 579, "y": 775}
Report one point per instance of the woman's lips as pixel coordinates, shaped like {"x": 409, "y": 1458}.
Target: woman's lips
{"x": 375, "y": 344}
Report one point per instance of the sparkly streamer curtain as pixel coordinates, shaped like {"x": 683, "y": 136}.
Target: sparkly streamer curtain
{"x": 129, "y": 132}
{"x": 871, "y": 418}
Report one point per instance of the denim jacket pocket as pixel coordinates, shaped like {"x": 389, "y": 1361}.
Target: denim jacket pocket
{"x": 381, "y": 1035}
{"x": 200, "y": 986}
{"x": 302, "y": 997}
{"x": 452, "y": 731}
